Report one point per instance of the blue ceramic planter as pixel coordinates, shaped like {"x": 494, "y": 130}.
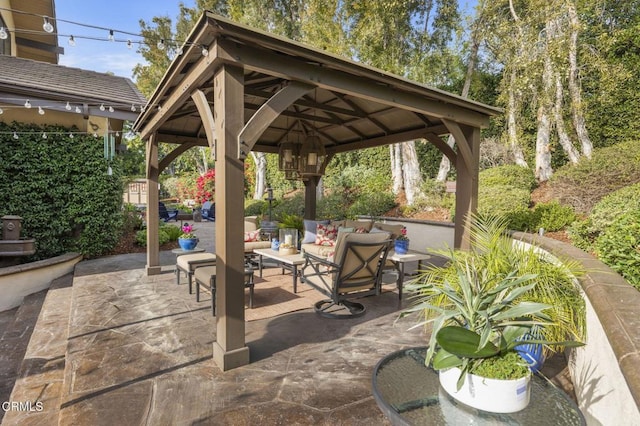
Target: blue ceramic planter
{"x": 402, "y": 246}
{"x": 188, "y": 243}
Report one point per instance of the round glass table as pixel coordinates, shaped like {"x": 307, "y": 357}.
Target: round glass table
{"x": 409, "y": 393}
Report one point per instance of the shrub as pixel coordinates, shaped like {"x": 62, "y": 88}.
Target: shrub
{"x": 206, "y": 186}
{"x": 172, "y": 231}
{"x": 290, "y": 206}
{"x": 604, "y": 213}
{"x": 332, "y": 206}
{"x": 254, "y": 207}
{"x": 508, "y": 175}
{"x": 553, "y": 216}
{"x": 619, "y": 246}
{"x": 502, "y": 200}
{"x": 583, "y": 185}
{"x": 372, "y": 204}
{"x": 131, "y": 219}
{"x": 141, "y": 237}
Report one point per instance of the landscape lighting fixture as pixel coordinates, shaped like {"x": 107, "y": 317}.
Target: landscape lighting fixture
{"x": 47, "y": 25}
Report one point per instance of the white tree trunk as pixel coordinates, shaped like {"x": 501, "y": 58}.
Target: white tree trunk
{"x": 565, "y": 142}
{"x": 445, "y": 164}
{"x": 512, "y": 129}
{"x": 261, "y": 172}
{"x": 395, "y": 152}
{"x": 574, "y": 87}
{"x": 543, "y": 151}
{"x": 411, "y": 171}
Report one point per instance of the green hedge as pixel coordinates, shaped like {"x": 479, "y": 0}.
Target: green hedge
{"x": 619, "y": 246}
{"x": 508, "y": 175}
{"x": 584, "y": 233}
{"x": 502, "y": 200}
{"x": 61, "y": 189}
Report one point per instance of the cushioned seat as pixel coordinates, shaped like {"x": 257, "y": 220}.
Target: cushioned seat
{"x": 188, "y": 263}
{"x": 206, "y": 277}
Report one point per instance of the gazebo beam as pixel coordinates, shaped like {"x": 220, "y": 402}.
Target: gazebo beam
{"x": 153, "y": 214}
{"x": 200, "y": 100}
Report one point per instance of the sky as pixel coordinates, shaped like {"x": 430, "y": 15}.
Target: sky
{"x": 119, "y": 15}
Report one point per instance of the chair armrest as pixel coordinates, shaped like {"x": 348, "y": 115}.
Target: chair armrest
{"x": 316, "y": 259}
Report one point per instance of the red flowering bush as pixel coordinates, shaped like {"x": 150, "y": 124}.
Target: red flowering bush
{"x": 205, "y": 187}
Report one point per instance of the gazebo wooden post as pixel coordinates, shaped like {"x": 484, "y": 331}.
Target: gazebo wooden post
{"x": 152, "y": 213}
{"x": 310, "y": 199}
{"x": 467, "y": 166}
{"x": 229, "y": 349}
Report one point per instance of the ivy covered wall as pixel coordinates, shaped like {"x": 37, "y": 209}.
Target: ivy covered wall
{"x": 60, "y": 187}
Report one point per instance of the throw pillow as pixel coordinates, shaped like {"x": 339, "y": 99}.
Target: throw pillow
{"x": 310, "y": 229}
{"x": 251, "y": 236}
{"x": 326, "y": 235}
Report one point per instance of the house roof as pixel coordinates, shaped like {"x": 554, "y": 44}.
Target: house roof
{"x": 349, "y": 105}
{"x": 52, "y": 86}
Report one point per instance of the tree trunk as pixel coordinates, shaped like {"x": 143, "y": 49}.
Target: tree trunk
{"x": 395, "y": 151}
{"x": 543, "y": 151}
{"x": 565, "y": 142}
{"x": 512, "y": 130}
{"x": 411, "y": 171}
{"x": 445, "y": 164}
{"x": 261, "y": 172}
{"x": 574, "y": 87}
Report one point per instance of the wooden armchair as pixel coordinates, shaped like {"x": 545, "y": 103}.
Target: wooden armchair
{"x": 355, "y": 271}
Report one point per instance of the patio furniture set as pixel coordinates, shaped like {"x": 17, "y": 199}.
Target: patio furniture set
{"x": 343, "y": 266}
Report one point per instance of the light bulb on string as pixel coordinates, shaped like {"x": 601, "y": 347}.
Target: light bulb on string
{"x": 72, "y": 41}
{"x": 1, "y": 111}
{"x": 15, "y": 136}
{"x": 70, "y": 135}
{"x": 204, "y": 51}
{"x": 179, "y": 52}
{"x": 44, "y": 135}
{"x": 27, "y": 104}
{"x": 101, "y": 107}
{"x": 160, "y": 44}
{"x": 129, "y": 44}
{"x": 133, "y": 108}
{"x": 40, "y": 110}
{"x": 110, "y": 108}
{"x": 143, "y": 108}
{"x": 47, "y": 26}
{"x": 78, "y": 110}
{"x": 67, "y": 106}
{"x": 117, "y": 134}
{"x": 109, "y": 171}
{"x": 95, "y": 135}
{"x": 111, "y": 36}
{"x": 3, "y": 34}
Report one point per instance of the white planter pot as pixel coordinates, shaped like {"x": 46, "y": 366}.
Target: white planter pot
{"x": 496, "y": 396}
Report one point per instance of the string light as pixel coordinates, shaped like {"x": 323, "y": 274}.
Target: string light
{"x": 47, "y": 26}
{"x": 44, "y": 135}
{"x": 15, "y": 136}
{"x": 160, "y": 44}
{"x": 101, "y": 107}
{"x": 3, "y": 34}
{"x": 40, "y": 110}
{"x": 70, "y": 135}
{"x": 111, "y": 108}
{"x": 67, "y": 106}
{"x": 72, "y": 41}
{"x": 205, "y": 51}
{"x": 111, "y": 36}
{"x": 78, "y": 110}
{"x": 1, "y": 111}
{"x": 133, "y": 108}
{"x": 129, "y": 44}
{"x": 27, "y": 104}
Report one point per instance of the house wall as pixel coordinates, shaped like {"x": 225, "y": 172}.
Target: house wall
{"x": 7, "y": 17}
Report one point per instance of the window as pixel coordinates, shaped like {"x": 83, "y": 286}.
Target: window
{"x": 5, "y": 45}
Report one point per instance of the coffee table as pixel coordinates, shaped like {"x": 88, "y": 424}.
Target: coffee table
{"x": 291, "y": 261}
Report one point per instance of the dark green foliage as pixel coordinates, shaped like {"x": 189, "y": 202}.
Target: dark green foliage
{"x": 626, "y": 200}
{"x": 61, "y": 188}
{"x": 131, "y": 219}
{"x": 255, "y": 207}
{"x": 553, "y": 216}
{"x": 502, "y": 200}
{"x": 172, "y": 231}
{"x": 141, "y": 237}
{"x": 289, "y": 206}
{"x": 586, "y": 183}
{"x": 332, "y": 206}
{"x": 372, "y": 204}
{"x": 512, "y": 175}
{"x": 619, "y": 246}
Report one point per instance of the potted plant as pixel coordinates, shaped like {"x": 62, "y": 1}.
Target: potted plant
{"x": 188, "y": 240}
{"x": 401, "y": 244}
{"x": 483, "y": 313}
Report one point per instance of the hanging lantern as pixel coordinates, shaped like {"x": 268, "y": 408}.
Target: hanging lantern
{"x": 312, "y": 157}
{"x": 288, "y": 156}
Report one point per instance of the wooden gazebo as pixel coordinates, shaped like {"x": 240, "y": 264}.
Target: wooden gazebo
{"x": 237, "y": 89}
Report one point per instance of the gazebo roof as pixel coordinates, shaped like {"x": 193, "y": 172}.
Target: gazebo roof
{"x": 353, "y": 106}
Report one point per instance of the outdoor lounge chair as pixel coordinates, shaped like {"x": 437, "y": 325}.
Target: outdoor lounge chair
{"x": 165, "y": 214}
{"x": 355, "y": 272}
{"x": 209, "y": 211}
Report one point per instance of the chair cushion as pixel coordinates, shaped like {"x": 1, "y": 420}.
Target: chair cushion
{"x": 250, "y": 236}
{"x": 188, "y": 262}
{"x": 326, "y": 235}
{"x": 359, "y": 224}
{"x": 251, "y": 246}
{"x": 203, "y": 275}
